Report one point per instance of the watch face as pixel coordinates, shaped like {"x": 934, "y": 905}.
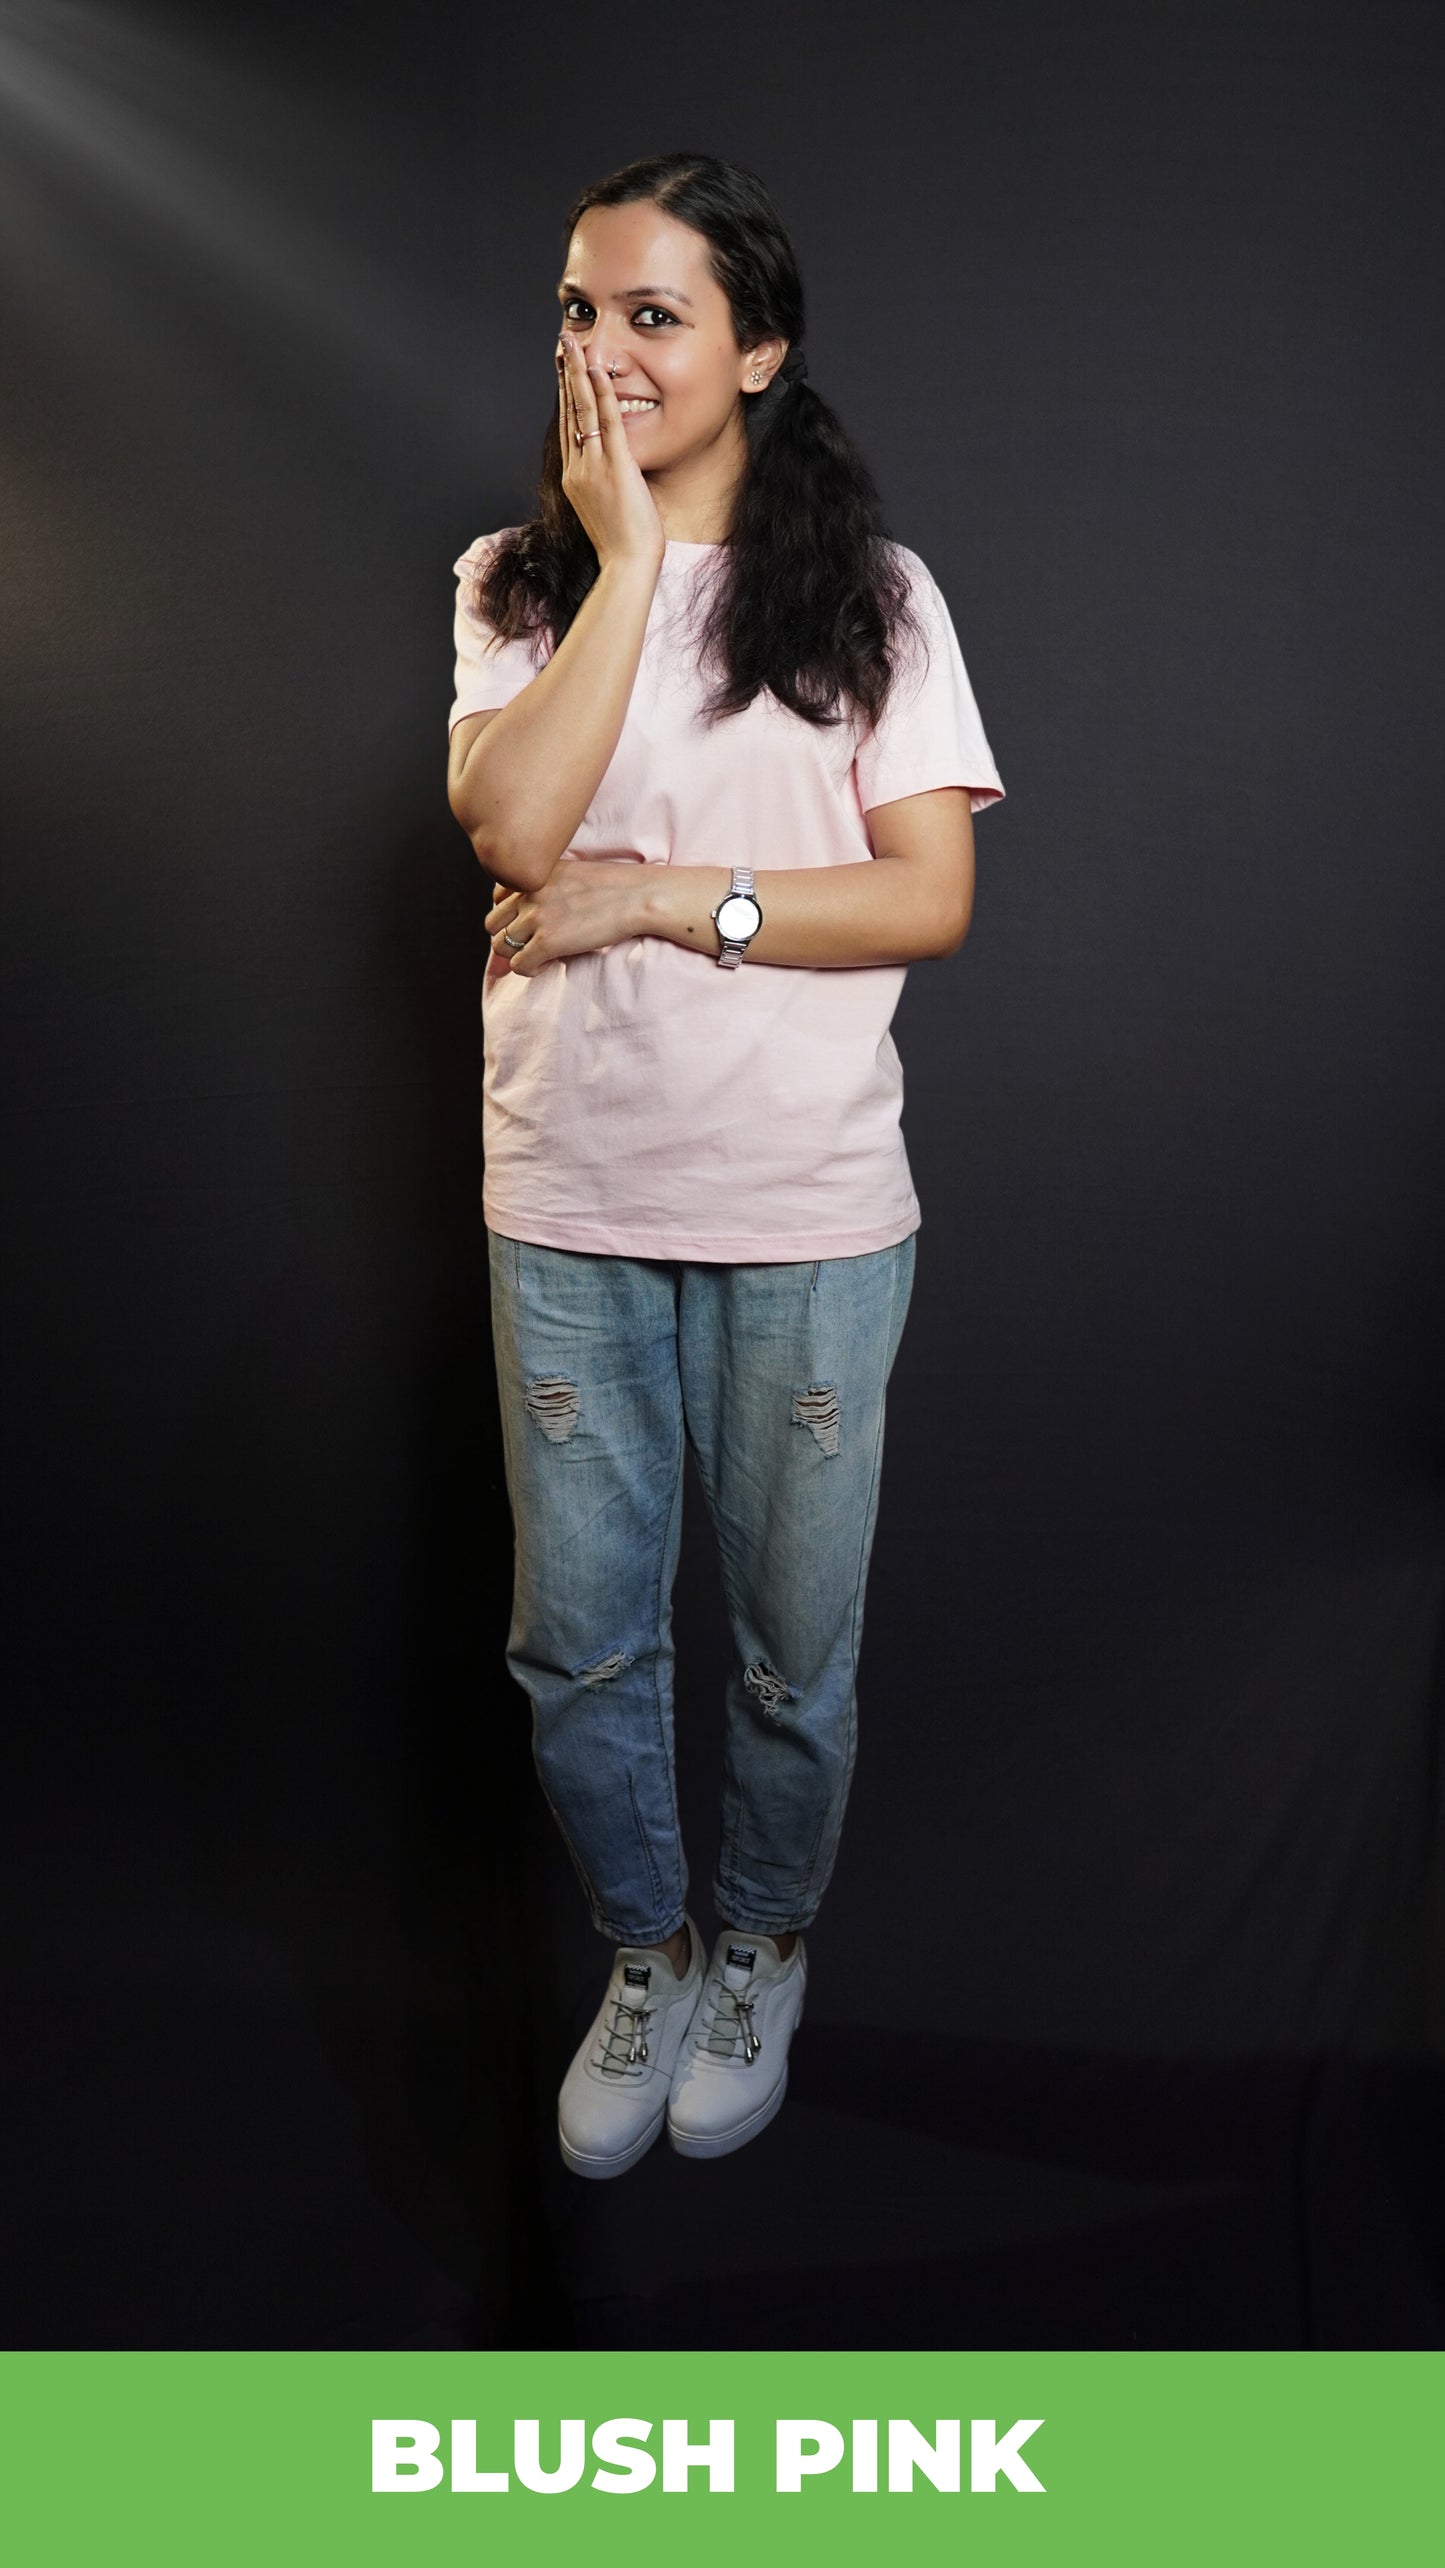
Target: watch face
{"x": 739, "y": 915}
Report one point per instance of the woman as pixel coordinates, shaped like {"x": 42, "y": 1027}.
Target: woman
{"x": 714, "y": 741}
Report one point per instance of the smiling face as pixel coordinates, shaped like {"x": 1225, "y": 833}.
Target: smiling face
{"x": 638, "y": 296}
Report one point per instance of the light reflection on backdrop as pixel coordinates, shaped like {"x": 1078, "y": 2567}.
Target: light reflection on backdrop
{"x": 151, "y": 172}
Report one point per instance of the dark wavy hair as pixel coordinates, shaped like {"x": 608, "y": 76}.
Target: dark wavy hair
{"x": 814, "y": 602}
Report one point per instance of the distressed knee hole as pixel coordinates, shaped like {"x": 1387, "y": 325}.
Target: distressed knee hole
{"x": 556, "y": 1404}
{"x": 817, "y": 1410}
{"x": 772, "y": 1690}
{"x": 597, "y": 1671}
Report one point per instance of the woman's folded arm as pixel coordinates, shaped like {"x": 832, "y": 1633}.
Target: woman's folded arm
{"x": 911, "y": 900}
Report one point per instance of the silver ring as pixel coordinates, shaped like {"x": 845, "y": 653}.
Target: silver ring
{"x": 516, "y": 942}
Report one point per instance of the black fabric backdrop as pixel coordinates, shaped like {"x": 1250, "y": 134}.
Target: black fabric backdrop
{"x": 1126, "y": 2012}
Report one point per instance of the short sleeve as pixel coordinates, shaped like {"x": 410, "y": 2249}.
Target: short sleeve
{"x": 929, "y": 733}
{"x": 489, "y": 671}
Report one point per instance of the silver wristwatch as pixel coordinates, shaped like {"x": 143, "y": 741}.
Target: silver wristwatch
{"x": 738, "y": 918}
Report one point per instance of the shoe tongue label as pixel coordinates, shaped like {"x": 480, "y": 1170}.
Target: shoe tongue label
{"x": 637, "y": 1974}
{"x": 741, "y": 1957}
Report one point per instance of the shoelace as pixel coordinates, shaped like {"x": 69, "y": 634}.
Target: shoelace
{"x": 634, "y": 2035}
{"x": 731, "y": 2019}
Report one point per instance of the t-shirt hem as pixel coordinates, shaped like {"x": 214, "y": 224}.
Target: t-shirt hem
{"x": 982, "y": 792}
{"x": 493, "y": 701}
{"x": 740, "y": 1248}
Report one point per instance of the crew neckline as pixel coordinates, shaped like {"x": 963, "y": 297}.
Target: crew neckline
{"x": 680, "y": 544}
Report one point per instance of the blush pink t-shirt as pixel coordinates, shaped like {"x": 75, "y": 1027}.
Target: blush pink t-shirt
{"x": 643, "y": 1102}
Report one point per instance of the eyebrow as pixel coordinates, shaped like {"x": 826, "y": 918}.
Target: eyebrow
{"x": 569, "y": 285}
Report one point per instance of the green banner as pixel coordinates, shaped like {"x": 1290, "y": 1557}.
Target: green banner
{"x": 1068, "y": 2458}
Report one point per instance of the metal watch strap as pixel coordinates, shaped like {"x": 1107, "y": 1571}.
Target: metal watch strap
{"x": 734, "y": 948}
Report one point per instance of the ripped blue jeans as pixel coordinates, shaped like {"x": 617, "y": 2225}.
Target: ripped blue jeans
{"x": 775, "y": 1375}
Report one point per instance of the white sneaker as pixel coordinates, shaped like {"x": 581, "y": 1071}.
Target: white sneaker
{"x": 614, "y": 2096}
{"x": 733, "y": 2073}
